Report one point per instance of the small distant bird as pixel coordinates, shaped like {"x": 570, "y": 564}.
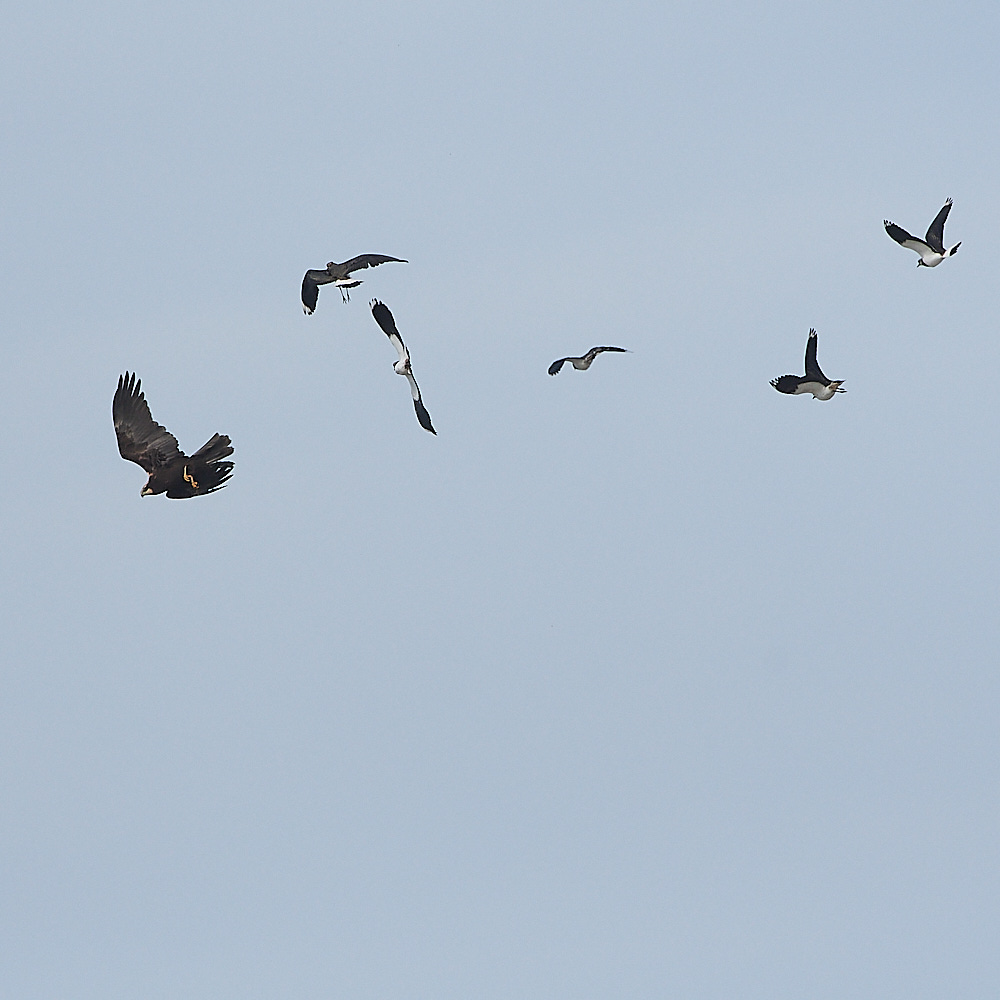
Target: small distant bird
{"x": 154, "y": 448}
{"x": 586, "y": 361}
{"x": 340, "y": 275}
{"x": 402, "y": 367}
{"x": 931, "y": 247}
{"x": 814, "y": 381}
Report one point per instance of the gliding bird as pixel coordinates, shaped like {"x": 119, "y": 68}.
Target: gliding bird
{"x": 586, "y": 361}
{"x": 931, "y": 247}
{"x": 402, "y": 367}
{"x": 340, "y": 275}
{"x": 151, "y": 446}
{"x": 814, "y": 380}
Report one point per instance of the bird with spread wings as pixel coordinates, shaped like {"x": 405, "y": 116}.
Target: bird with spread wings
{"x": 152, "y": 447}
{"x": 339, "y": 275}
{"x": 582, "y": 364}
{"x": 931, "y": 247}
{"x": 402, "y": 367}
{"x": 813, "y": 381}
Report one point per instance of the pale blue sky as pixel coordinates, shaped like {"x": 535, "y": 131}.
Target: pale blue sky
{"x": 641, "y": 682}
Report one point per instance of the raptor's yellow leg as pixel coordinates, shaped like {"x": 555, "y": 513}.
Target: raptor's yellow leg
{"x": 188, "y": 478}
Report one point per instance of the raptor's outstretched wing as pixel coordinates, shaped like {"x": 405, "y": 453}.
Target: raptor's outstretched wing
{"x": 140, "y": 438}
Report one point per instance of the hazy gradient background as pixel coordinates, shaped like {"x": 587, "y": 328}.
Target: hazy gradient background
{"x": 641, "y": 682}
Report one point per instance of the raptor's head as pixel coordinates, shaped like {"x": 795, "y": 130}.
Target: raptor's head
{"x": 151, "y": 488}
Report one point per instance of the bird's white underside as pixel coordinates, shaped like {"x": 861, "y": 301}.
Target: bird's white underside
{"x": 404, "y": 356}
{"x": 819, "y": 390}
{"x": 931, "y": 258}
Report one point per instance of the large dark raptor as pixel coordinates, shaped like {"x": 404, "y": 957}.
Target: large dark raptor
{"x": 152, "y": 447}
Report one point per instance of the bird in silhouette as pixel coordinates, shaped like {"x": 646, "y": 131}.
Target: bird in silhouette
{"x": 152, "y": 447}
{"x": 339, "y": 275}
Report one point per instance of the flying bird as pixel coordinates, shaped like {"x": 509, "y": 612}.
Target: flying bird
{"x": 814, "y": 380}
{"x": 931, "y": 247}
{"x": 154, "y": 448}
{"x": 586, "y": 361}
{"x": 402, "y": 367}
{"x": 340, "y": 275}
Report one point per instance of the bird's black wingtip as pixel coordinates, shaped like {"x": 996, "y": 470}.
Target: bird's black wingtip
{"x": 786, "y": 384}
{"x": 130, "y": 384}
{"x": 423, "y": 417}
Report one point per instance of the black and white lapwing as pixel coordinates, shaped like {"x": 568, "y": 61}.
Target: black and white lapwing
{"x": 813, "y": 381}
{"x": 931, "y": 247}
{"x": 339, "y": 275}
{"x": 586, "y": 361}
{"x": 402, "y": 367}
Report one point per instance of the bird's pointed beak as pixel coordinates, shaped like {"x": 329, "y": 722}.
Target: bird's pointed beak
{"x": 146, "y": 491}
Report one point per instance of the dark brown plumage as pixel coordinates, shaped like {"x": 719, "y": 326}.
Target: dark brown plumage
{"x": 152, "y": 447}
{"x": 340, "y": 275}
{"x": 582, "y": 364}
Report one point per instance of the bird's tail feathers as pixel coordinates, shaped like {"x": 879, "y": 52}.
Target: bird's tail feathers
{"x": 216, "y": 447}
{"x": 953, "y": 250}
{"x": 214, "y": 477}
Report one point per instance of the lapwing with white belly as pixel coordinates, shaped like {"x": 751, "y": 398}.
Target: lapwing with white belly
{"x": 813, "y": 381}
{"x": 931, "y": 247}
{"x": 402, "y": 367}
